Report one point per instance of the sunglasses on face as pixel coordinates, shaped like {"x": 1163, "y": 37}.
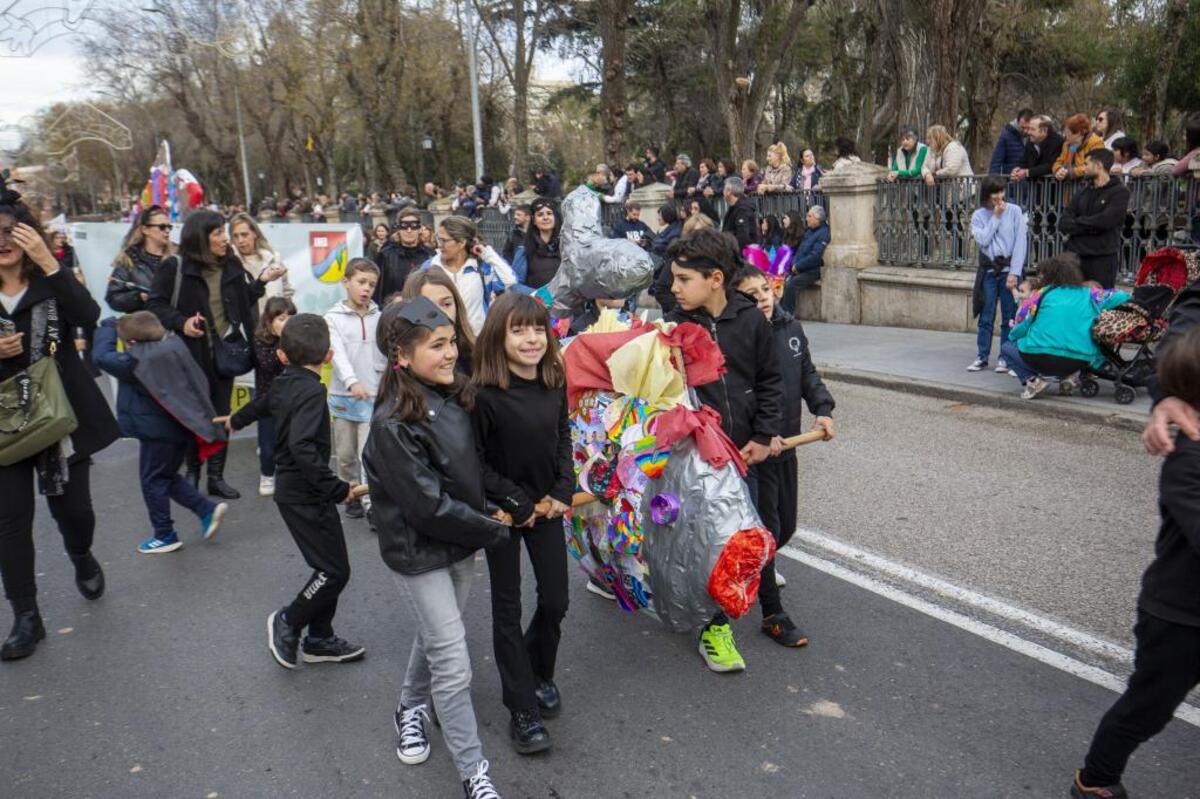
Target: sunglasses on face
{"x": 163, "y": 226}
{"x": 409, "y": 226}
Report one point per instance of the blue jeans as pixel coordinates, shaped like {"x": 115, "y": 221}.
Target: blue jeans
{"x": 1038, "y": 364}
{"x": 158, "y": 464}
{"x": 1012, "y": 356}
{"x": 266, "y": 446}
{"x": 796, "y": 283}
{"x": 994, "y": 288}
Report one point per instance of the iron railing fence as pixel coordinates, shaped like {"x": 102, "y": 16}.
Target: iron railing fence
{"x": 930, "y": 226}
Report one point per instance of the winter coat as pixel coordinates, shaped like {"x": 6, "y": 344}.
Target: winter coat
{"x": 76, "y": 308}
{"x": 1094, "y": 219}
{"x": 801, "y": 382}
{"x": 267, "y": 365}
{"x": 162, "y": 395}
{"x": 548, "y": 185}
{"x": 303, "y": 438}
{"x": 810, "y": 255}
{"x": 638, "y": 232}
{"x": 238, "y": 296}
{"x": 1169, "y": 583}
{"x": 135, "y": 266}
{"x": 538, "y": 270}
{"x": 751, "y": 183}
{"x": 777, "y": 178}
{"x": 657, "y": 171}
{"x": 258, "y": 263}
{"x": 1062, "y": 324}
{"x": 427, "y": 492}
{"x": 356, "y": 358}
{"x": 1040, "y": 159}
{"x": 1184, "y": 315}
{"x": 741, "y": 220}
{"x": 684, "y": 182}
{"x": 1073, "y": 160}
{"x": 952, "y": 162}
{"x": 1008, "y": 152}
{"x": 749, "y": 395}
{"x": 798, "y": 179}
{"x": 396, "y": 262}
{"x": 910, "y": 164}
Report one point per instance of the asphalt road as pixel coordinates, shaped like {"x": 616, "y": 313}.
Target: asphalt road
{"x": 164, "y": 688}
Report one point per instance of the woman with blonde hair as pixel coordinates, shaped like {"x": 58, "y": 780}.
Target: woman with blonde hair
{"x": 256, "y": 255}
{"x": 948, "y": 158}
{"x": 696, "y": 222}
{"x": 778, "y": 174}
{"x": 146, "y": 244}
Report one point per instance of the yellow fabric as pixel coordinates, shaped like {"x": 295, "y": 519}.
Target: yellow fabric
{"x": 642, "y": 368}
{"x": 608, "y": 322}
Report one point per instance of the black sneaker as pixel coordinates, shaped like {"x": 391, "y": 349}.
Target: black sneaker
{"x": 355, "y": 510}
{"x": 413, "y": 745}
{"x": 527, "y": 732}
{"x": 282, "y": 640}
{"x": 1080, "y": 791}
{"x": 331, "y": 650}
{"x": 479, "y": 785}
{"x": 548, "y": 699}
{"x": 780, "y": 629}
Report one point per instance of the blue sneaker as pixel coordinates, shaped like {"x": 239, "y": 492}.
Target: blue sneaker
{"x": 210, "y": 521}
{"x": 155, "y": 546}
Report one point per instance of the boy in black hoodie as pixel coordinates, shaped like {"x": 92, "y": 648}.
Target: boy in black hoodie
{"x": 749, "y": 395}
{"x": 307, "y": 492}
{"x": 1166, "y": 662}
{"x": 778, "y": 475}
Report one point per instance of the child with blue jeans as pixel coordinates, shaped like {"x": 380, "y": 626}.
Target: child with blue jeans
{"x": 1000, "y": 231}
{"x": 164, "y": 434}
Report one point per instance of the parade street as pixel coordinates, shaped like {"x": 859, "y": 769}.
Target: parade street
{"x": 967, "y": 576}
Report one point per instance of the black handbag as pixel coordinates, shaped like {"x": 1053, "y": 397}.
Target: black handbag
{"x": 233, "y": 355}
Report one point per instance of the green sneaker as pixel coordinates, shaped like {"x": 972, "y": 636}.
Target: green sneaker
{"x": 718, "y": 651}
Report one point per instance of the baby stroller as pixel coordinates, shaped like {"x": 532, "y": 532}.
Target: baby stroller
{"x": 1140, "y": 323}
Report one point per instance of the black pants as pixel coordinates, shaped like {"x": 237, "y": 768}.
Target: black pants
{"x": 317, "y": 530}
{"x": 1166, "y": 666}
{"x": 1100, "y": 268}
{"x": 72, "y": 510}
{"x": 220, "y": 391}
{"x": 777, "y": 506}
{"x": 1052, "y": 365}
{"x": 527, "y": 657}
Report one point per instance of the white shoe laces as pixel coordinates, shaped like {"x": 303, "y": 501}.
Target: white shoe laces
{"x": 412, "y": 727}
{"x": 479, "y": 784}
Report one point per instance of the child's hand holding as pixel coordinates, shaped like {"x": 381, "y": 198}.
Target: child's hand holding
{"x": 359, "y": 391}
{"x": 824, "y": 423}
{"x": 503, "y": 518}
{"x": 224, "y": 421}
{"x": 754, "y": 453}
{"x": 554, "y": 508}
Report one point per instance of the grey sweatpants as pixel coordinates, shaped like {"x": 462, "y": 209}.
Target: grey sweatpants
{"x": 439, "y": 668}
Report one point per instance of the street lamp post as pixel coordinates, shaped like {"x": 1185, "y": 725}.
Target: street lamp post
{"x": 426, "y": 154}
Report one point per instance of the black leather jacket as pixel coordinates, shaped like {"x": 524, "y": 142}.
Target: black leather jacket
{"x": 427, "y": 488}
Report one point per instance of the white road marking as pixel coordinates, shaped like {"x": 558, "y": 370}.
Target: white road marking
{"x": 1058, "y": 660}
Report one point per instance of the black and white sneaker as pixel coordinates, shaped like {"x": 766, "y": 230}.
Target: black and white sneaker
{"x": 282, "y": 640}
{"x": 331, "y": 650}
{"x": 413, "y": 746}
{"x": 479, "y": 785}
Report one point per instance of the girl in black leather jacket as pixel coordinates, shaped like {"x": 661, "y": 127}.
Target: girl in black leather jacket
{"x": 429, "y": 507}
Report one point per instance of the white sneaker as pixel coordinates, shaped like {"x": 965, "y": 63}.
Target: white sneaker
{"x": 1001, "y": 366}
{"x": 1033, "y": 387}
{"x": 1013, "y": 373}
{"x": 266, "y": 486}
{"x": 780, "y": 580}
{"x": 600, "y": 590}
{"x": 977, "y": 365}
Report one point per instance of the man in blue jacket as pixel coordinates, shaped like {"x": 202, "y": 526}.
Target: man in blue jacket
{"x": 806, "y": 262}
{"x": 1010, "y": 147}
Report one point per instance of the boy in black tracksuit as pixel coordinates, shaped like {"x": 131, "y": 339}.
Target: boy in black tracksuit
{"x": 1166, "y": 662}
{"x": 749, "y": 395}
{"x": 307, "y": 492}
{"x": 778, "y": 474}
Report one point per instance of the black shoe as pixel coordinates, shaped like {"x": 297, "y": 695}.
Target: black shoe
{"x": 527, "y": 732}
{"x": 217, "y": 487}
{"x": 354, "y": 510}
{"x": 548, "y": 699}
{"x": 479, "y": 785}
{"x": 1079, "y": 791}
{"x": 330, "y": 650}
{"x": 89, "y": 577}
{"x": 779, "y": 628}
{"x": 27, "y": 630}
{"x": 282, "y": 640}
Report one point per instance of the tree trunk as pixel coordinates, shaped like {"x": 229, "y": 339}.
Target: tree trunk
{"x": 520, "y": 92}
{"x": 614, "y": 21}
{"x": 1154, "y": 99}
{"x": 955, "y": 23}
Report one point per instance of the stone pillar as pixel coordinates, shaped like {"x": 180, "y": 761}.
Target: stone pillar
{"x": 852, "y": 246}
{"x": 378, "y": 218}
{"x": 651, "y": 197}
{"x": 440, "y": 209}
{"x": 333, "y": 215}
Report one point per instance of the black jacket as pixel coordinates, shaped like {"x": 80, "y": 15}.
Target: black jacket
{"x": 1184, "y": 315}
{"x": 133, "y": 268}
{"x": 297, "y": 403}
{"x": 396, "y": 263}
{"x": 1040, "y": 160}
{"x": 524, "y": 445}
{"x": 638, "y": 232}
{"x": 239, "y": 295}
{"x": 657, "y": 171}
{"x": 687, "y": 180}
{"x": 548, "y": 186}
{"x": 749, "y": 396}
{"x": 1169, "y": 586}
{"x": 427, "y": 492}
{"x": 801, "y": 382}
{"x": 516, "y": 238}
{"x": 76, "y": 308}
{"x": 1094, "y": 219}
{"x": 742, "y": 221}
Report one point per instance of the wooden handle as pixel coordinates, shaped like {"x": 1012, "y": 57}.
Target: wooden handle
{"x": 582, "y": 498}
{"x": 803, "y": 438}
{"x": 360, "y": 491}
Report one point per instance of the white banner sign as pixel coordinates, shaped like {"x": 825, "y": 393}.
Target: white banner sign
{"x": 316, "y": 256}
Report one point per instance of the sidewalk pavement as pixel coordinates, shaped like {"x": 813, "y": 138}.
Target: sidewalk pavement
{"x": 934, "y": 363}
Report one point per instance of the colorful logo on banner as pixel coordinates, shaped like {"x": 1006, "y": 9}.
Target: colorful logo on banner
{"x": 329, "y": 255}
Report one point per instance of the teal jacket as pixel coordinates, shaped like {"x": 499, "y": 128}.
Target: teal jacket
{"x": 1061, "y": 323}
